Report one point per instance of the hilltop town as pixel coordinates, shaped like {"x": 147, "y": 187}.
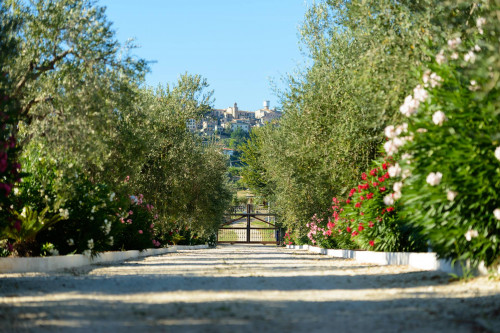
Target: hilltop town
{"x": 232, "y": 118}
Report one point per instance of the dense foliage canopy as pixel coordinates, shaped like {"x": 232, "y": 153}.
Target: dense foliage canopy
{"x": 95, "y": 144}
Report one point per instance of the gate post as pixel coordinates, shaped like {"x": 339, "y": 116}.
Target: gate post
{"x": 249, "y": 209}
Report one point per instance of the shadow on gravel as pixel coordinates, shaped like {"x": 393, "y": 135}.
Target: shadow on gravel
{"x": 480, "y": 314}
{"x": 130, "y": 283}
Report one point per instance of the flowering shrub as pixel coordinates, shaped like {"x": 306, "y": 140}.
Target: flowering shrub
{"x": 319, "y": 232}
{"x": 453, "y": 155}
{"x": 90, "y": 225}
{"x": 373, "y": 211}
{"x": 369, "y": 218}
{"x": 288, "y": 239}
{"x": 136, "y": 227}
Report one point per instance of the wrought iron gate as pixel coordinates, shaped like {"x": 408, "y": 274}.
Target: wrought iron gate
{"x": 238, "y": 226}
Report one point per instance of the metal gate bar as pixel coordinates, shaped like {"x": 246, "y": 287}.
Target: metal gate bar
{"x": 248, "y": 234}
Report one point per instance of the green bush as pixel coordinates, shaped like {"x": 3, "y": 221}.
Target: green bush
{"x": 91, "y": 224}
{"x": 369, "y": 218}
{"x": 452, "y": 145}
{"x": 136, "y": 227}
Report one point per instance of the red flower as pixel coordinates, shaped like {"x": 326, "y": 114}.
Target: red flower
{"x": 381, "y": 179}
{"x": 370, "y": 224}
{"x": 384, "y": 166}
{"x": 348, "y": 229}
{"x": 390, "y": 209}
{"x": 375, "y": 184}
{"x": 369, "y": 196}
{"x": 382, "y": 189}
{"x": 373, "y": 172}
{"x": 361, "y": 198}
{"x": 331, "y": 225}
{"x": 364, "y": 176}
{"x": 354, "y": 233}
{"x": 386, "y": 176}
{"x": 357, "y": 205}
{"x": 348, "y": 201}
{"x": 360, "y": 227}
{"x": 372, "y": 243}
{"x": 361, "y": 213}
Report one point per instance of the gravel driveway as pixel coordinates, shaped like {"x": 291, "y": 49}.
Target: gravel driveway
{"x": 246, "y": 289}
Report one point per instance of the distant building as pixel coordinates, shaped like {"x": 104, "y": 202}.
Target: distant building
{"x": 232, "y": 118}
{"x": 191, "y": 125}
{"x": 238, "y": 123}
{"x": 228, "y": 151}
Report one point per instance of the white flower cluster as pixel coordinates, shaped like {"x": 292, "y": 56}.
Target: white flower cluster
{"x": 107, "y": 226}
{"x": 434, "y": 178}
{"x": 479, "y": 23}
{"x": 406, "y": 157}
{"x": 431, "y": 79}
{"x": 397, "y": 187}
{"x": 440, "y": 58}
{"x": 454, "y": 43}
{"x": 451, "y": 195}
{"x": 391, "y": 146}
{"x": 438, "y": 118}
{"x": 394, "y": 170}
{"x": 411, "y": 103}
{"x": 474, "y": 86}
{"x": 497, "y": 153}
{"x": 389, "y": 200}
{"x": 64, "y": 213}
{"x": 471, "y": 234}
{"x": 496, "y": 213}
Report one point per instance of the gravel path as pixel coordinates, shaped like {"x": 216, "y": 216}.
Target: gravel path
{"x": 246, "y": 289}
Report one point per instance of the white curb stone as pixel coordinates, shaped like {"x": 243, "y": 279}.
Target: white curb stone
{"x": 424, "y": 260}
{"x": 47, "y": 264}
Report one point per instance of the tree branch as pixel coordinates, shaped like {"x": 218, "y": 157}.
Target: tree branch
{"x": 39, "y": 70}
{"x": 25, "y": 110}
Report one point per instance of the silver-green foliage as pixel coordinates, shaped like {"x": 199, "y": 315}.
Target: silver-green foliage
{"x": 361, "y": 57}
{"x": 71, "y": 76}
{"x": 84, "y": 107}
{"x": 183, "y": 179}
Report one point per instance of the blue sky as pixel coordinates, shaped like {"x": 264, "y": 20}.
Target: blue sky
{"x": 237, "y": 45}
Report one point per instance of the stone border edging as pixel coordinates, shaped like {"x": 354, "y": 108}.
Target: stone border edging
{"x": 421, "y": 260}
{"x": 47, "y": 264}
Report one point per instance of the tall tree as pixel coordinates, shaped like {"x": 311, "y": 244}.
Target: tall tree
{"x": 72, "y": 78}
{"x": 363, "y": 54}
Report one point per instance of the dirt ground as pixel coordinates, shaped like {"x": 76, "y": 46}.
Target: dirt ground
{"x": 246, "y": 289}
